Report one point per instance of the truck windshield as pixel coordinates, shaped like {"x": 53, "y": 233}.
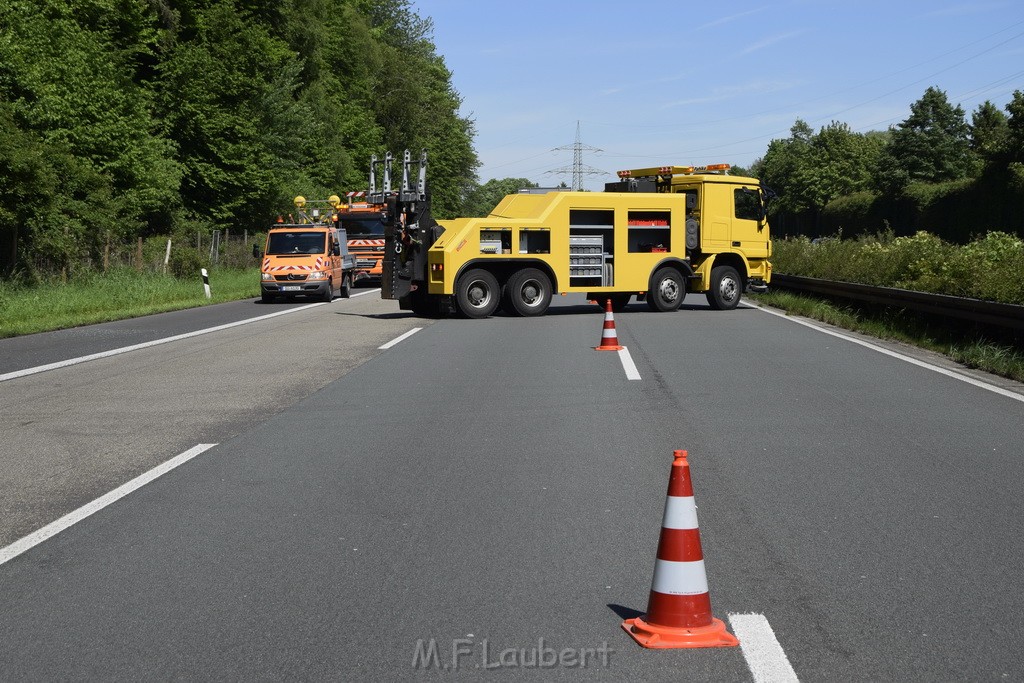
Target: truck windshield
{"x": 363, "y": 227}
{"x": 282, "y": 243}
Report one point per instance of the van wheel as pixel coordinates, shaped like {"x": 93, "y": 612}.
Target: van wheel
{"x": 528, "y": 293}
{"x": 726, "y": 288}
{"x": 267, "y": 298}
{"x": 346, "y": 286}
{"x": 328, "y": 295}
{"x": 667, "y": 290}
{"x": 477, "y": 293}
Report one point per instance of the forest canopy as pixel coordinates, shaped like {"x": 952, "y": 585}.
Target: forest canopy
{"x": 122, "y": 119}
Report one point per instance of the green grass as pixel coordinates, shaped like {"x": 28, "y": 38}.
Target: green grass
{"x": 979, "y": 353}
{"x": 117, "y": 295}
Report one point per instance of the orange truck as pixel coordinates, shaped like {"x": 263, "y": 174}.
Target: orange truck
{"x": 364, "y": 225}
{"x": 306, "y": 257}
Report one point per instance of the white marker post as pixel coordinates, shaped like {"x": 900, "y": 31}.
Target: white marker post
{"x": 206, "y": 282}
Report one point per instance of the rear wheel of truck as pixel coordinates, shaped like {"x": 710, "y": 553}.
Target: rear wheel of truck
{"x": 528, "y": 292}
{"x": 726, "y": 288}
{"x": 667, "y": 290}
{"x": 477, "y": 293}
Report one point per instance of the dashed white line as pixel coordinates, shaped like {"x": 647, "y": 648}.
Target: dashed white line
{"x": 765, "y": 657}
{"x": 54, "y": 528}
{"x": 400, "y": 338}
{"x": 914, "y": 361}
{"x": 627, "y": 364}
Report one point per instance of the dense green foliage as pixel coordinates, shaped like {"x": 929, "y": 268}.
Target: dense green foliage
{"x": 132, "y": 118}
{"x": 483, "y": 198}
{"x": 934, "y": 171}
{"x": 986, "y": 268}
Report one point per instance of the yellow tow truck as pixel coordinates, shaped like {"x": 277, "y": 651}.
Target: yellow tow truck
{"x": 656, "y": 233}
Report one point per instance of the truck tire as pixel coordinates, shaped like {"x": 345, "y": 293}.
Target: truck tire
{"x": 267, "y": 298}
{"x": 328, "y": 295}
{"x": 528, "y": 293}
{"x": 726, "y": 288}
{"x": 477, "y": 293}
{"x": 346, "y": 286}
{"x": 667, "y": 290}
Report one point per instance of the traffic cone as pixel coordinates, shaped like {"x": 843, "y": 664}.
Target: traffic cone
{"x": 609, "y": 339}
{"x": 679, "y": 609}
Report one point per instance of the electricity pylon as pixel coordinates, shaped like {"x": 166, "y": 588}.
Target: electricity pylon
{"x": 579, "y": 169}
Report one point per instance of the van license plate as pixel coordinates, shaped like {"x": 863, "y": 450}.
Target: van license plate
{"x": 291, "y": 288}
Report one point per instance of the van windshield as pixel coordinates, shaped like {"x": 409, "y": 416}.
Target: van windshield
{"x": 282, "y": 243}
{"x": 363, "y": 227}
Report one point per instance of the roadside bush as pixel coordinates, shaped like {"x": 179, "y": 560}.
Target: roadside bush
{"x": 185, "y": 263}
{"x": 987, "y": 268}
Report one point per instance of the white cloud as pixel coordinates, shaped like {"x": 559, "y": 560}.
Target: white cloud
{"x": 726, "y": 20}
{"x": 767, "y": 42}
{"x": 722, "y": 93}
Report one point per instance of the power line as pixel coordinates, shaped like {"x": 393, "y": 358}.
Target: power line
{"x": 579, "y": 169}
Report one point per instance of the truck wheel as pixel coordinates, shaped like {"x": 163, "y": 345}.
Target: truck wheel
{"x": 477, "y": 293}
{"x": 328, "y": 295}
{"x": 726, "y": 288}
{"x": 667, "y": 290}
{"x": 528, "y": 292}
{"x": 346, "y": 286}
{"x": 267, "y": 298}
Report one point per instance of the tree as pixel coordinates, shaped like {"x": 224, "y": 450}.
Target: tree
{"x": 780, "y": 167}
{"x": 1014, "y": 151}
{"x": 932, "y": 145}
{"x": 839, "y": 162}
{"x": 72, "y": 74}
{"x": 989, "y": 131}
{"x": 483, "y": 198}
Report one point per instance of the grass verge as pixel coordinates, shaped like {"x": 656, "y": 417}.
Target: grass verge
{"x": 972, "y": 350}
{"x": 117, "y": 295}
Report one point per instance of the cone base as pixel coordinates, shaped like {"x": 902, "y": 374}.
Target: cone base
{"x": 665, "y": 637}
{"x": 609, "y": 348}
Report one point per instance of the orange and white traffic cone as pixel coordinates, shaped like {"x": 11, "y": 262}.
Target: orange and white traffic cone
{"x": 609, "y": 339}
{"x": 679, "y": 609}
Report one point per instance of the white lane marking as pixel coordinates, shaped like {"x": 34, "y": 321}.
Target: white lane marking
{"x": 369, "y": 291}
{"x": 400, "y": 338}
{"x": 765, "y": 657}
{"x": 145, "y": 345}
{"x": 627, "y": 364}
{"x": 914, "y": 361}
{"x": 54, "y": 528}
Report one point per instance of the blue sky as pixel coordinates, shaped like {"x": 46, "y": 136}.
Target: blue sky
{"x": 659, "y": 82}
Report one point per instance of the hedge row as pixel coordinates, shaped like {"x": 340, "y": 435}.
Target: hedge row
{"x": 989, "y": 267}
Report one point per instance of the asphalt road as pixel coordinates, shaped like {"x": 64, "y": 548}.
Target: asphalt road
{"x": 497, "y": 486}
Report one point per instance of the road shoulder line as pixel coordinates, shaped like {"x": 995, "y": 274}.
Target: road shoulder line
{"x": 894, "y": 354}
{"x": 53, "y": 528}
{"x": 145, "y": 345}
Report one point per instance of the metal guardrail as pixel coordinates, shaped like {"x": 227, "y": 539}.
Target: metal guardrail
{"x": 974, "y": 310}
